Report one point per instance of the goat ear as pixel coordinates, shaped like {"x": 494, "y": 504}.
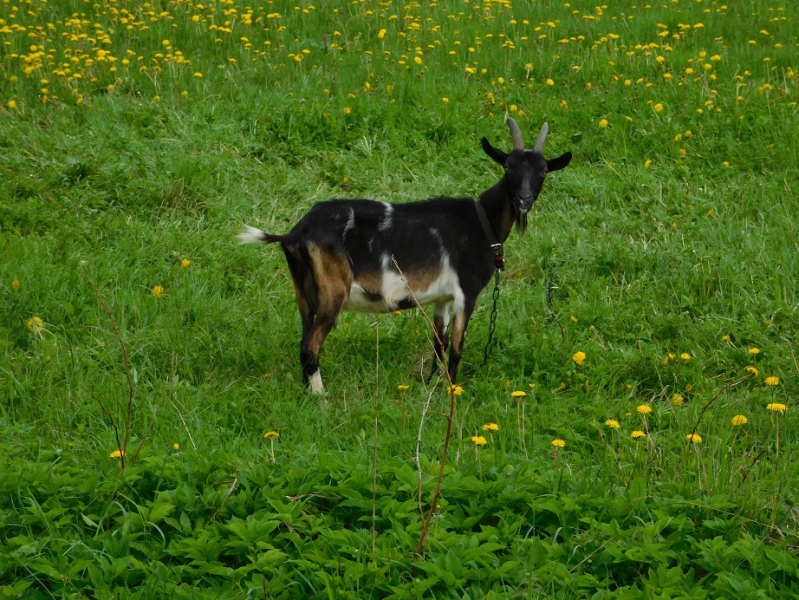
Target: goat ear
{"x": 556, "y": 164}
{"x": 497, "y": 155}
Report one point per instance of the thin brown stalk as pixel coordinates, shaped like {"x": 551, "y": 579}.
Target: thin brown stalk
{"x": 182, "y": 420}
{"x": 437, "y": 492}
{"x": 793, "y": 355}
{"x": 149, "y": 429}
{"x": 229, "y": 492}
{"x": 114, "y": 425}
{"x": 448, "y": 435}
{"x": 124, "y": 356}
{"x": 425, "y": 408}
{"x": 754, "y": 462}
{"x": 374, "y": 459}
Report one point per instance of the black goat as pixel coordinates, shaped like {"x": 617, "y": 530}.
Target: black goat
{"x": 341, "y": 254}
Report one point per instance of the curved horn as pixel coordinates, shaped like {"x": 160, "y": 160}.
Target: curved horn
{"x": 542, "y": 137}
{"x": 516, "y": 133}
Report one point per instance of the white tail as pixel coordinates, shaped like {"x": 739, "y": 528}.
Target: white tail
{"x": 251, "y": 235}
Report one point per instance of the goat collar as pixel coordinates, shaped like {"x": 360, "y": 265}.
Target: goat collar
{"x": 496, "y": 245}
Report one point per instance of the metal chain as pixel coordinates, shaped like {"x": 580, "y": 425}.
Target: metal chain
{"x": 492, "y": 323}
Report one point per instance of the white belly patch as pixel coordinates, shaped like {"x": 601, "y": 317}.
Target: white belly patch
{"x": 394, "y": 290}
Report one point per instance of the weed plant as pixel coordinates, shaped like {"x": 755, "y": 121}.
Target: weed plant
{"x": 640, "y": 316}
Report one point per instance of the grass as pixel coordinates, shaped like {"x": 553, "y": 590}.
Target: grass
{"x": 653, "y": 242}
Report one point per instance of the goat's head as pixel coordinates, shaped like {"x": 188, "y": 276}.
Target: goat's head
{"x": 525, "y": 170}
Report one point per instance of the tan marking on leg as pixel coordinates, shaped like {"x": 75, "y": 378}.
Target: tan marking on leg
{"x": 458, "y": 326}
{"x": 333, "y": 279}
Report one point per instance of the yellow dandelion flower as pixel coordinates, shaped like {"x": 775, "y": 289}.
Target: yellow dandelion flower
{"x": 559, "y": 443}
{"x": 479, "y": 440}
{"x": 445, "y": 100}
{"x": 637, "y": 434}
{"x": 677, "y": 399}
{"x": 381, "y": 34}
{"x": 117, "y": 453}
{"x": 685, "y": 356}
{"x": 612, "y": 423}
{"x": 35, "y": 324}
{"x": 754, "y": 351}
{"x": 185, "y": 263}
{"x": 725, "y": 338}
{"x": 455, "y": 389}
{"x": 158, "y": 291}
{"x": 644, "y": 409}
{"x": 175, "y": 446}
{"x": 550, "y": 82}
{"x": 579, "y": 357}
{"x": 772, "y": 381}
{"x": 753, "y": 371}
{"x": 647, "y": 163}
{"x": 739, "y": 420}
{"x": 15, "y": 284}
{"x": 776, "y": 407}
{"x": 518, "y": 394}
{"x": 693, "y": 437}
{"x": 417, "y": 60}
{"x": 271, "y": 434}
{"x": 603, "y": 123}
{"x": 347, "y": 110}
{"x": 12, "y": 104}
{"x": 658, "y": 107}
{"x": 490, "y": 427}
{"x": 403, "y": 388}
{"x": 531, "y": 385}
{"x": 198, "y": 75}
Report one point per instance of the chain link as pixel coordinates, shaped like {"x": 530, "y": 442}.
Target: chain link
{"x": 492, "y": 323}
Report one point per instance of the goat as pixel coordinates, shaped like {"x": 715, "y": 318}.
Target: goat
{"x": 341, "y": 253}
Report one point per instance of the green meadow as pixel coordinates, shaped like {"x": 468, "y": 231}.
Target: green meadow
{"x": 640, "y": 395}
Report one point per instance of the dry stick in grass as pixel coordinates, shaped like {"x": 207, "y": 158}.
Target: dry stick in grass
{"x": 127, "y": 367}
{"x": 114, "y": 425}
{"x": 229, "y": 492}
{"x": 149, "y": 429}
{"x": 182, "y": 420}
{"x": 754, "y": 462}
{"x": 793, "y": 355}
{"x": 374, "y": 460}
{"x": 425, "y": 408}
{"x": 437, "y": 492}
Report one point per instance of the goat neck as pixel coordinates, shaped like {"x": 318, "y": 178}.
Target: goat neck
{"x": 499, "y": 210}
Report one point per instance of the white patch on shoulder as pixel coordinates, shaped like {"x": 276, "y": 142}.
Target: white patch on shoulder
{"x": 385, "y": 224}
{"x": 350, "y": 223}
{"x": 315, "y": 382}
